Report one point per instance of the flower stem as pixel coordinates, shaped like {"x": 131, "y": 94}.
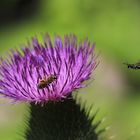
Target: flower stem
{"x": 60, "y": 121}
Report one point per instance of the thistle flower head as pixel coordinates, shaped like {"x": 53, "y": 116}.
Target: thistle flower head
{"x": 49, "y": 72}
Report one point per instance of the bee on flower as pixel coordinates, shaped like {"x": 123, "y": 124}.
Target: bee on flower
{"x": 46, "y": 81}
{"x": 47, "y": 72}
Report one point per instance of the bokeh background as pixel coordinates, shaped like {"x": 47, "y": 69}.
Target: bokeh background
{"x": 115, "y": 27}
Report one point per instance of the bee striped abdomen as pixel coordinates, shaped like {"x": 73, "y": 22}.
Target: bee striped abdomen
{"x": 43, "y": 83}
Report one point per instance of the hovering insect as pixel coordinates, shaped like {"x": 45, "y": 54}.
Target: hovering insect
{"x": 46, "y": 81}
{"x": 133, "y": 66}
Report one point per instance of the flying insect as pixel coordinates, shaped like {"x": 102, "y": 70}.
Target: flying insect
{"x": 133, "y": 66}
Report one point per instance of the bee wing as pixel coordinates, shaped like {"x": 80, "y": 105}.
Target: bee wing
{"x": 41, "y": 80}
{"x": 138, "y": 63}
{"x": 125, "y": 63}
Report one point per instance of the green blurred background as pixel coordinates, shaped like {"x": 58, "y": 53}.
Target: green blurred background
{"x": 115, "y": 27}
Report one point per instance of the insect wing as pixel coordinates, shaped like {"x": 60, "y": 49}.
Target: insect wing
{"x": 138, "y": 64}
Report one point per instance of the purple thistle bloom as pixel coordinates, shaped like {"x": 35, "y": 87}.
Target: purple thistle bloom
{"x": 48, "y": 72}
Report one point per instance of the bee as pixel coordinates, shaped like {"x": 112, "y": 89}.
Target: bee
{"x": 133, "y": 66}
{"x": 46, "y": 81}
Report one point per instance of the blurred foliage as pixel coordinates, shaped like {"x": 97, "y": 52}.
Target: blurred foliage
{"x": 113, "y": 25}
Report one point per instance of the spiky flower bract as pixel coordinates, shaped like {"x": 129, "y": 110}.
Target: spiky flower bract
{"x": 23, "y": 76}
{"x": 67, "y": 120}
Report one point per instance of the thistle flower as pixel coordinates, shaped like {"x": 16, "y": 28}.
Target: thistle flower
{"x": 49, "y": 72}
